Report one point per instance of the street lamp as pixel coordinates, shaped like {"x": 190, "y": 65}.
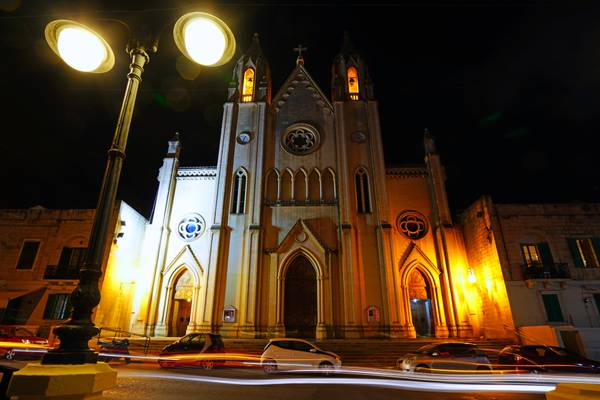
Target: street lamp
{"x": 201, "y": 37}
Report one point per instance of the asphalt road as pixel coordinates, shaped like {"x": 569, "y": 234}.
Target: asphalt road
{"x": 149, "y": 383}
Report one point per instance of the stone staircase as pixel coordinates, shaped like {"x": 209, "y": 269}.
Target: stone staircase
{"x": 377, "y": 353}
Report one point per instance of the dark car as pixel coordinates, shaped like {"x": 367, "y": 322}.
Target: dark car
{"x": 194, "y": 349}
{"x": 537, "y": 359}
{"x": 19, "y": 341}
{"x": 445, "y": 357}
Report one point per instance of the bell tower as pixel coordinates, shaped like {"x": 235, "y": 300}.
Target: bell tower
{"x": 235, "y": 231}
{"x": 363, "y": 197}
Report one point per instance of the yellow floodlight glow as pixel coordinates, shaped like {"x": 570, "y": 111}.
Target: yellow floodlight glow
{"x": 79, "y": 46}
{"x": 204, "y": 39}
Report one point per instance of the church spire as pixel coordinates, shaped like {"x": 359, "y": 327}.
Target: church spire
{"x": 251, "y": 81}
{"x": 350, "y": 80}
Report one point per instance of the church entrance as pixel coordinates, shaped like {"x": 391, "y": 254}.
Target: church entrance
{"x": 300, "y": 310}
{"x": 420, "y": 304}
{"x": 181, "y": 304}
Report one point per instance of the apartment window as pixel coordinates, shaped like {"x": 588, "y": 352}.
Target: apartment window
{"x": 72, "y": 257}
{"x": 29, "y": 251}
{"x": 239, "y": 192}
{"x": 536, "y": 254}
{"x": 552, "y": 307}
{"x": 58, "y": 306}
{"x": 585, "y": 252}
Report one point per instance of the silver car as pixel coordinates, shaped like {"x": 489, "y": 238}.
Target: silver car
{"x": 445, "y": 357}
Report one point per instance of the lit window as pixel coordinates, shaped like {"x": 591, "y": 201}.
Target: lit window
{"x": 363, "y": 198}
{"x": 28, "y": 254}
{"x": 352, "y": 83}
{"x": 248, "y": 86}
{"x": 239, "y": 192}
{"x": 58, "y": 306}
{"x": 531, "y": 254}
{"x": 585, "y": 252}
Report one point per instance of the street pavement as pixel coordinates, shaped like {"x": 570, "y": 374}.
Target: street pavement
{"x": 149, "y": 383}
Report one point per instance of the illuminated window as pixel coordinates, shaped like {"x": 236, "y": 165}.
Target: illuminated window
{"x": 239, "y": 192}
{"x": 585, "y": 252}
{"x": 28, "y": 254}
{"x": 537, "y": 254}
{"x": 531, "y": 254}
{"x": 248, "y": 86}
{"x": 352, "y": 83}
{"x": 363, "y": 198}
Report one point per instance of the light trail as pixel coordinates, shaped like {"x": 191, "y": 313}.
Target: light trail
{"x": 378, "y": 382}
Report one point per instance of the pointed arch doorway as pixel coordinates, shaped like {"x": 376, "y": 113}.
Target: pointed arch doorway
{"x": 181, "y": 304}
{"x": 300, "y": 303}
{"x": 420, "y": 304}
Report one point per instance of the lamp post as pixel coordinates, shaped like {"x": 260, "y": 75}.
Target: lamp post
{"x": 201, "y": 37}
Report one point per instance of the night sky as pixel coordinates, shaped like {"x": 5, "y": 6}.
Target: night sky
{"x": 509, "y": 89}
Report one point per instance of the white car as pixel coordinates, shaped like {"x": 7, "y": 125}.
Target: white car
{"x": 288, "y": 353}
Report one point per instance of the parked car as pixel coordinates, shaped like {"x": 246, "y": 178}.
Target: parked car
{"x": 18, "y": 341}
{"x": 114, "y": 350}
{"x": 445, "y": 357}
{"x": 193, "y": 350}
{"x": 287, "y": 353}
{"x": 537, "y": 358}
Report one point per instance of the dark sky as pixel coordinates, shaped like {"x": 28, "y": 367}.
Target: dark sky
{"x": 510, "y": 90}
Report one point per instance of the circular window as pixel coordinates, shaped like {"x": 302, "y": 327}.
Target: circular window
{"x": 191, "y": 227}
{"x": 359, "y": 137}
{"x": 412, "y": 224}
{"x": 300, "y": 139}
{"x": 244, "y": 137}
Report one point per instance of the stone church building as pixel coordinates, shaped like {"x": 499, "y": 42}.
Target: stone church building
{"x": 301, "y": 230}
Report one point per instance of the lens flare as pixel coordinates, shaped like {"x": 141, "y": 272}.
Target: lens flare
{"x": 81, "y": 49}
{"x": 205, "y": 42}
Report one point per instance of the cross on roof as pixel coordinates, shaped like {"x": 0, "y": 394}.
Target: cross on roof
{"x": 300, "y": 49}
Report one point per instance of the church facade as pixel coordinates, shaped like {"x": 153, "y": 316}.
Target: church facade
{"x": 301, "y": 230}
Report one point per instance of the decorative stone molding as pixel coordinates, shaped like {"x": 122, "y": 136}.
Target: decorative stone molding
{"x": 196, "y": 173}
{"x": 406, "y": 172}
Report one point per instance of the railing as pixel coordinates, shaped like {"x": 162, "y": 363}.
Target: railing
{"x": 545, "y": 271}
{"x": 307, "y": 202}
{"x": 62, "y": 272}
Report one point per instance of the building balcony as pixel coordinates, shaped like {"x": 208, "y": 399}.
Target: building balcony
{"x": 545, "y": 271}
{"x": 62, "y": 272}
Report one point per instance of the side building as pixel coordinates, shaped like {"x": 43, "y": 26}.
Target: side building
{"x": 41, "y": 252}
{"x": 549, "y": 258}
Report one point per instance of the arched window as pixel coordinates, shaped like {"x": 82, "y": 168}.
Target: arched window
{"x": 329, "y": 190}
{"x": 287, "y": 186}
{"x": 363, "y": 198}
{"x": 314, "y": 186}
{"x": 248, "y": 85}
{"x": 272, "y": 191}
{"x": 301, "y": 186}
{"x": 352, "y": 83}
{"x": 238, "y": 202}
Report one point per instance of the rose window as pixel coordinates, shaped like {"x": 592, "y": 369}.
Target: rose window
{"x": 191, "y": 227}
{"x": 301, "y": 139}
{"x": 412, "y": 225}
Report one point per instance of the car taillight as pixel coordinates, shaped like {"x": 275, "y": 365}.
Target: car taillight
{"x": 444, "y": 353}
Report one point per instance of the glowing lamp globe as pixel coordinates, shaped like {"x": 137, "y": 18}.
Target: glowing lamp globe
{"x": 204, "y": 39}
{"x": 79, "y": 46}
